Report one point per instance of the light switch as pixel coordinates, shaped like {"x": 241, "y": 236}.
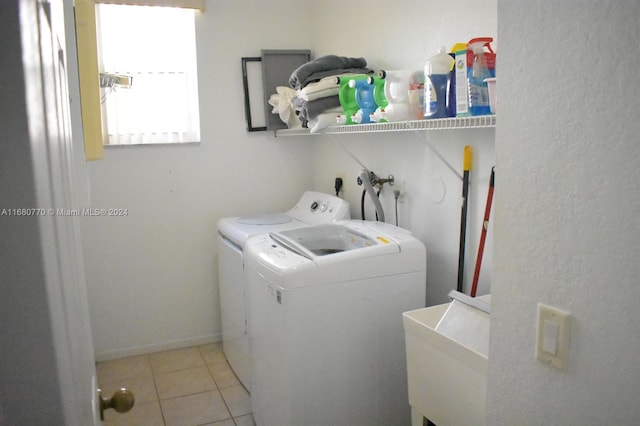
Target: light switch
{"x": 550, "y": 337}
{"x": 552, "y": 345}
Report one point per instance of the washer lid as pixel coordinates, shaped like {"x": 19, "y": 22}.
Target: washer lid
{"x": 323, "y": 240}
{"x": 267, "y": 219}
{"x": 238, "y": 230}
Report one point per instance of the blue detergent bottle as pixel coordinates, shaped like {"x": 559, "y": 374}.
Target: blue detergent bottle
{"x": 436, "y": 75}
{"x": 347, "y": 97}
{"x": 478, "y": 89}
{"x": 365, "y": 100}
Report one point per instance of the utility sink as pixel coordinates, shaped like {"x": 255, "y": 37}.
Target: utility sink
{"x": 447, "y": 362}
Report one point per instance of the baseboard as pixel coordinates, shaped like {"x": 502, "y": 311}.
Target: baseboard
{"x": 157, "y": 347}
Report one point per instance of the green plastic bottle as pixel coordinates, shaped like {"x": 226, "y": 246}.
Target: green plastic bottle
{"x": 378, "y": 91}
{"x": 347, "y": 97}
{"x": 379, "y": 97}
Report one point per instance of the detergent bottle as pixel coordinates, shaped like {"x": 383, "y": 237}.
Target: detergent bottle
{"x": 395, "y": 113}
{"x": 378, "y": 96}
{"x": 404, "y": 91}
{"x": 347, "y": 97}
{"x": 341, "y": 119}
{"x": 436, "y": 74}
{"x": 478, "y": 72}
{"x": 379, "y": 116}
{"x": 364, "y": 99}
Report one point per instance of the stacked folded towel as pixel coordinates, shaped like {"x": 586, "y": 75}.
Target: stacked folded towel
{"x": 316, "y": 102}
{"x": 325, "y": 66}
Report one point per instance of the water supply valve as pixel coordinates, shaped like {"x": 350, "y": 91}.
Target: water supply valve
{"x": 377, "y": 181}
{"x": 390, "y": 180}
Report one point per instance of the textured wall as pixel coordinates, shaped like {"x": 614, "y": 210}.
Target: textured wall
{"x": 566, "y": 223}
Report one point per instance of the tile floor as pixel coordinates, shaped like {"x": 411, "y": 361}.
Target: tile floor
{"x": 183, "y": 387}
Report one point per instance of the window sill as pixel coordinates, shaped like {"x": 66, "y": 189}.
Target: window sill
{"x": 109, "y": 146}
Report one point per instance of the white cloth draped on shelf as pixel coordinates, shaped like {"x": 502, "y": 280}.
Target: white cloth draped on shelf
{"x": 282, "y": 104}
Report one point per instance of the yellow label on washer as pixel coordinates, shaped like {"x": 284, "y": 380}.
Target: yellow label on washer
{"x": 383, "y": 239}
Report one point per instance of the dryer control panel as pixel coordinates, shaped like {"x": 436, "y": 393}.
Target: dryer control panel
{"x": 316, "y": 207}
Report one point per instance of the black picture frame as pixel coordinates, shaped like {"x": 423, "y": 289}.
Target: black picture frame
{"x": 276, "y": 68}
{"x": 247, "y": 95}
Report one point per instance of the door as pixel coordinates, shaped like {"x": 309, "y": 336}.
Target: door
{"x": 47, "y": 370}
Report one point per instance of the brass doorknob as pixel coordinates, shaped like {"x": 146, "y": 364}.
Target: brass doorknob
{"x": 122, "y": 401}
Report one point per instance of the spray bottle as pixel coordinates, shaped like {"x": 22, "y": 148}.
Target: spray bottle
{"x": 436, "y": 74}
{"x": 479, "y": 70}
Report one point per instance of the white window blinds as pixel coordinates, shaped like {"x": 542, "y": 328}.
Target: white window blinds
{"x": 147, "y": 61}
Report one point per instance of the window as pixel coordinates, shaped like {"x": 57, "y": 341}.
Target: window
{"x": 148, "y": 76}
{"x": 141, "y": 124}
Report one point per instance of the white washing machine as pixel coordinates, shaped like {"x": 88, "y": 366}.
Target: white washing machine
{"x": 233, "y": 232}
{"x": 325, "y": 323}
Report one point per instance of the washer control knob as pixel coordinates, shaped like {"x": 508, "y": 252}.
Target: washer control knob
{"x": 323, "y": 207}
{"x": 314, "y": 206}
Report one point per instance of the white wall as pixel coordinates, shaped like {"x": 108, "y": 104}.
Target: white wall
{"x": 566, "y": 223}
{"x": 152, "y": 275}
{"x": 405, "y": 35}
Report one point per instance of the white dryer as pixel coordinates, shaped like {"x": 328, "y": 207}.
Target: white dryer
{"x": 233, "y": 232}
{"x": 325, "y": 310}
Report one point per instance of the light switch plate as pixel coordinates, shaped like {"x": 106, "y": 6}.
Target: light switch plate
{"x": 552, "y": 337}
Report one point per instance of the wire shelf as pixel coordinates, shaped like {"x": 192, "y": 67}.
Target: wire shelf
{"x": 475, "y": 122}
